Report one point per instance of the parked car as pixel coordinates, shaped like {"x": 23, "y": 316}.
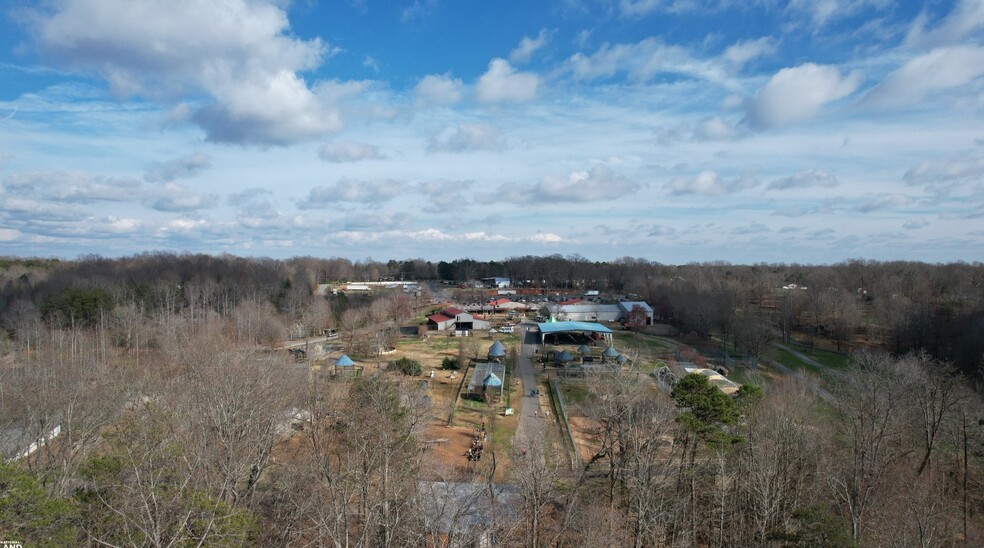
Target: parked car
{"x": 506, "y": 329}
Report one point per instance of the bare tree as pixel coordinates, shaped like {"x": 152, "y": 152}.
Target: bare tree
{"x": 59, "y": 401}
{"x": 779, "y": 461}
{"x": 871, "y": 438}
{"x": 238, "y": 402}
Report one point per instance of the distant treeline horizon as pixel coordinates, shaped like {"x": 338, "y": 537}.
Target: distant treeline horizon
{"x": 900, "y": 306}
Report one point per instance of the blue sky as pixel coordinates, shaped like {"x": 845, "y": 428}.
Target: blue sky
{"x": 675, "y": 130}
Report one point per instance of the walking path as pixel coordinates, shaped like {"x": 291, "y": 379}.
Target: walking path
{"x": 808, "y": 380}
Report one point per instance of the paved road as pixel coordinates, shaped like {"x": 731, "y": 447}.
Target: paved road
{"x": 530, "y": 409}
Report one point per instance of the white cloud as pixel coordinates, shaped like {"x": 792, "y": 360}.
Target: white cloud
{"x": 884, "y": 201}
{"x": 238, "y": 52}
{"x": 371, "y": 62}
{"x": 710, "y": 129}
{"x": 176, "y": 197}
{"x": 642, "y": 61}
{"x": 418, "y": 10}
{"x": 938, "y": 70}
{"x": 527, "y": 47}
{"x": 438, "y": 235}
{"x": 375, "y": 220}
{"x": 805, "y": 179}
{"x": 641, "y": 8}
{"x": 798, "y": 93}
{"x": 247, "y": 196}
{"x": 751, "y": 228}
{"x": 467, "y": 137}
{"x": 502, "y": 83}
{"x": 598, "y": 183}
{"x": 742, "y": 52}
{"x": 179, "y": 168}
{"x": 349, "y": 152}
{"x": 964, "y": 170}
{"x": 73, "y": 186}
{"x": 965, "y": 18}
{"x": 351, "y": 190}
{"x": 821, "y": 12}
{"x": 10, "y": 235}
{"x": 443, "y": 195}
{"x": 439, "y": 89}
{"x": 915, "y": 224}
{"x": 709, "y": 183}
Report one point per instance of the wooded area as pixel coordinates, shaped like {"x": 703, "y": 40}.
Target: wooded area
{"x": 172, "y": 411}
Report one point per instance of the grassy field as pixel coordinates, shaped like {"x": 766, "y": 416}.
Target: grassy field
{"x": 828, "y": 359}
{"x": 791, "y": 361}
{"x": 646, "y": 349}
{"x": 575, "y": 392}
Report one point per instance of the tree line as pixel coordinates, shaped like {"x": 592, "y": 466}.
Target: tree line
{"x": 898, "y": 306}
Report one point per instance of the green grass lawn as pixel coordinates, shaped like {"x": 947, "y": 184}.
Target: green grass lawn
{"x": 833, "y": 360}
{"x": 746, "y": 376}
{"x": 791, "y": 361}
{"x": 575, "y": 392}
{"x": 647, "y": 349}
{"x": 830, "y": 359}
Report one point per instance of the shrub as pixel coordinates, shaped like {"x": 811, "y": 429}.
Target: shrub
{"x": 406, "y": 366}
{"x": 450, "y": 363}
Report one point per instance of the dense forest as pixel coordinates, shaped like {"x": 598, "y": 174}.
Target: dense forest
{"x": 171, "y": 411}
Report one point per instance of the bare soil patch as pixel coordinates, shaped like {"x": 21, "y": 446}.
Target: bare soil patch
{"x": 587, "y": 436}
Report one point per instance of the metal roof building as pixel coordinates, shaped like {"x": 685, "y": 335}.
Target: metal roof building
{"x": 584, "y": 327}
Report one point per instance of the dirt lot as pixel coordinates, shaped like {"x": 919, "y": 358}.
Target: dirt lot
{"x": 586, "y": 436}
{"x": 447, "y": 458}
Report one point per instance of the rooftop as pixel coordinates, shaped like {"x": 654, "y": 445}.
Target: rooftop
{"x": 560, "y": 327}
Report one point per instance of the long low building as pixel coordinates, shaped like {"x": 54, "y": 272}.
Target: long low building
{"x": 553, "y": 328}
{"x": 587, "y": 311}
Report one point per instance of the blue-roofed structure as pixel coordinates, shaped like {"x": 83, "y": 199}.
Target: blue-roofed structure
{"x": 345, "y": 366}
{"x": 583, "y": 327}
{"x": 486, "y": 381}
{"x": 564, "y": 357}
{"x": 610, "y": 352}
{"x": 497, "y": 350}
{"x": 492, "y": 380}
{"x": 584, "y": 350}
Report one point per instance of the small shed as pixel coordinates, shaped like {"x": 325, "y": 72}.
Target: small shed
{"x": 345, "y": 365}
{"x": 584, "y": 350}
{"x": 497, "y": 351}
{"x": 564, "y": 357}
{"x": 610, "y": 354}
